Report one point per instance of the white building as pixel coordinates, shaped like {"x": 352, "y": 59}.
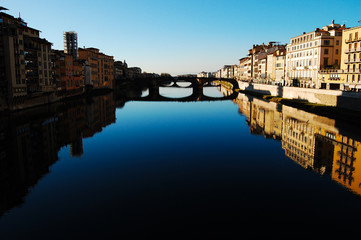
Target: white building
{"x": 311, "y": 52}
{"x": 205, "y": 75}
{"x": 276, "y": 63}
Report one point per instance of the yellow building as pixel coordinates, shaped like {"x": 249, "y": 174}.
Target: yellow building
{"x": 346, "y": 153}
{"x": 349, "y": 75}
{"x": 351, "y": 57}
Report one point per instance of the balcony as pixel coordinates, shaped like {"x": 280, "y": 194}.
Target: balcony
{"x": 353, "y": 60}
{"x": 350, "y": 50}
{"x": 353, "y": 70}
{"x": 31, "y": 65}
{"x": 328, "y": 71}
{"x": 31, "y": 56}
{"x": 348, "y": 40}
{"x": 32, "y": 75}
{"x": 334, "y": 79}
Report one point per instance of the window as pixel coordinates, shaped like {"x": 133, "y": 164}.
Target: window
{"x": 336, "y": 62}
{"x": 326, "y": 42}
{"x": 326, "y": 51}
{"x": 337, "y": 42}
{"x": 336, "y": 51}
{"x": 325, "y": 61}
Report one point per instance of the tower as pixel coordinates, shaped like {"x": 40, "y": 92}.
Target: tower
{"x": 71, "y": 43}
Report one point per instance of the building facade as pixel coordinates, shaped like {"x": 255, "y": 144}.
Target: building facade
{"x": 25, "y": 62}
{"x": 258, "y": 56}
{"x": 348, "y": 77}
{"x": 311, "y": 52}
{"x": 276, "y": 66}
{"x": 101, "y": 67}
{"x": 68, "y": 72}
{"x": 351, "y": 58}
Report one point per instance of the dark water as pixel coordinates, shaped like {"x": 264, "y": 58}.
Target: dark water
{"x": 107, "y": 168}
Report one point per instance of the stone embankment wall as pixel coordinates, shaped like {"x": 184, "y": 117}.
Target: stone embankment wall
{"x": 335, "y": 98}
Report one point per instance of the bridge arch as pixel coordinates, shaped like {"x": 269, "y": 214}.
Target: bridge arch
{"x": 196, "y": 84}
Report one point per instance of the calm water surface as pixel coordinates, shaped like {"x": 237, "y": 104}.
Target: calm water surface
{"x": 106, "y": 168}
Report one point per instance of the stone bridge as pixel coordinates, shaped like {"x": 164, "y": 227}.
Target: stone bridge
{"x": 196, "y": 84}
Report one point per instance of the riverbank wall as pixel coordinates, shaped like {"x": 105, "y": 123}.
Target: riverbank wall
{"x": 334, "y": 98}
{"x": 42, "y": 99}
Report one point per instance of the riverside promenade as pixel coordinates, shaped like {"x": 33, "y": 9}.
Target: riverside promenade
{"x": 334, "y": 98}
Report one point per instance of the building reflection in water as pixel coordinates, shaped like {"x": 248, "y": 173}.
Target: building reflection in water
{"x": 31, "y": 139}
{"x": 314, "y": 142}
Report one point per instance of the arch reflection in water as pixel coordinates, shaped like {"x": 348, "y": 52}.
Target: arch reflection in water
{"x": 184, "y": 84}
{"x": 213, "y": 92}
{"x": 175, "y": 92}
{"x": 314, "y": 142}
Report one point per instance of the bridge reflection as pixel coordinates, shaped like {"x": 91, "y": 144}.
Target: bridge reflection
{"x": 196, "y": 84}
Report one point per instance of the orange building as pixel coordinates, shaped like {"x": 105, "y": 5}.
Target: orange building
{"x": 101, "y": 65}
{"x": 67, "y": 72}
{"x": 345, "y": 154}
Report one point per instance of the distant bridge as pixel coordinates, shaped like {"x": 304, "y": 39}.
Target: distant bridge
{"x": 196, "y": 84}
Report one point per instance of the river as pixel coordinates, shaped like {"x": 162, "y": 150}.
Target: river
{"x": 105, "y": 168}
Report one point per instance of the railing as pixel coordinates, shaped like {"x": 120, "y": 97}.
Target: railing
{"x": 334, "y": 79}
{"x": 353, "y": 71}
{"x": 355, "y": 39}
{"x": 32, "y": 75}
{"x": 31, "y": 65}
{"x": 350, "y": 50}
{"x": 325, "y": 71}
{"x": 31, "y": 56}
{"x": 353, "y": 60}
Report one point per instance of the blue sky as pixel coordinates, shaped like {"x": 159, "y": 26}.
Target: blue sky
{"x": 180, "y": 36}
